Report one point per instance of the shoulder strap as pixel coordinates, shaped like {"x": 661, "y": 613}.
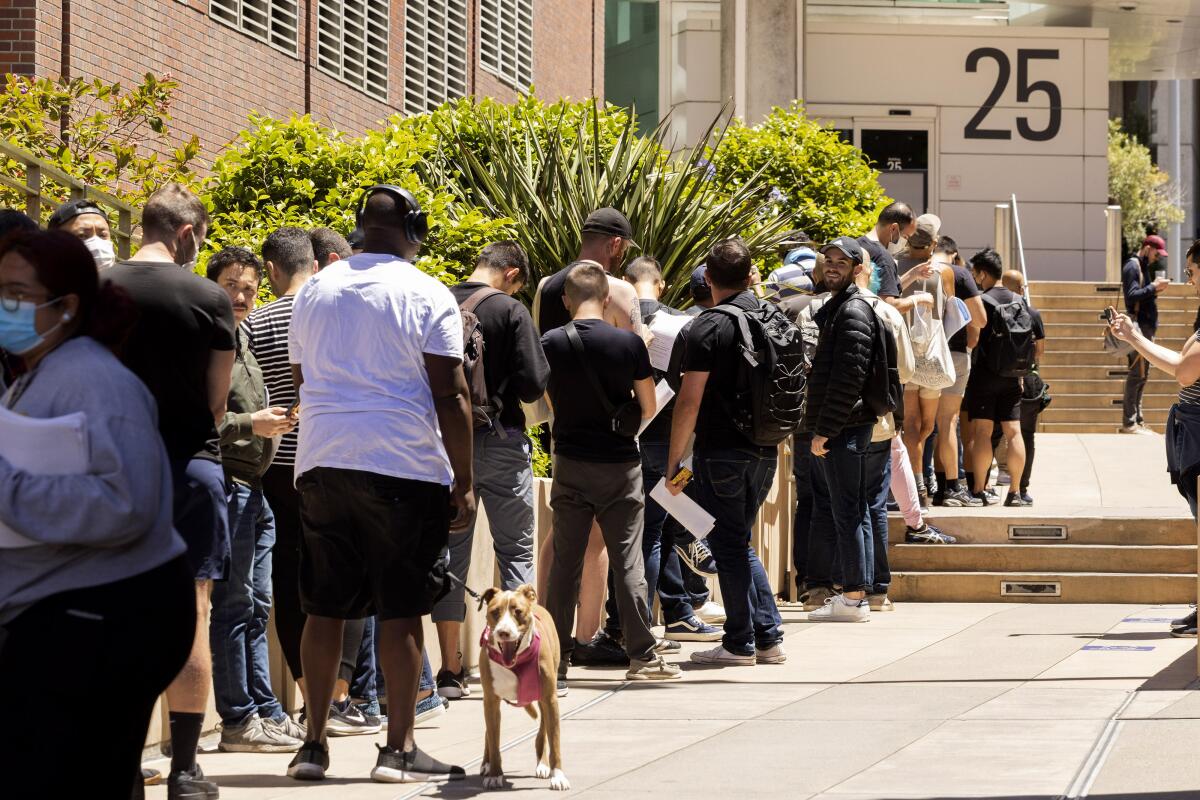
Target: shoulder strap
{"x": 477, "y": 297}
{"x": 577, "y": 346}
{"x": 739, "y": 317}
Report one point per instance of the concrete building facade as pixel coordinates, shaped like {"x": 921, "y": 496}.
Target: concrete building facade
{"x": 349, "y": 63}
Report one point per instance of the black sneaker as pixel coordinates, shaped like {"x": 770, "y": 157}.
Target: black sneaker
{"x": 601, "y": 651}
{"x": 1184, "y": 633}
{"x": 191, "y": 785}
{"x": 986, "y": 498}
{"x": 1185, "y": 622}
{"x": 1015, "y": 499}
{"x": 958, "y": 497}
{"x": 453, "y": 685}
{"x": 414, "y": 766}
{"x": 927, "y": 534}
{"x": 310, "y": 763}
{"x": 1027, "y": 498}
{"x": 697, "y": 557}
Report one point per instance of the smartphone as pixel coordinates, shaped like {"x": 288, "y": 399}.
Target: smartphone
{"x": 1108, "y": 315}
{"x": 682, "y": 477}
{"x": 294, "y": 411}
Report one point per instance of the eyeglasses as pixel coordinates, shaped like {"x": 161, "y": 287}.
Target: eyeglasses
{"x": 11, "y": 299}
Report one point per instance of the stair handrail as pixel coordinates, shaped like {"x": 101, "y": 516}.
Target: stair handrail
{"x": 1016, "y": 216}
{"x": 37, "y": 170}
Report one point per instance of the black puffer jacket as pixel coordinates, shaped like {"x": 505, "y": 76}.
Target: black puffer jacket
{"x": 841, "y": 366}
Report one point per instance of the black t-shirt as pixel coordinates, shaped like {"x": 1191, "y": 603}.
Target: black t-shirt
{"x": 182, "y": 319}
{"x": 511, "y": 352}
{"x": 582, "y": 426}
{"x": 889, "y": 275}
{"x": 551, "y": 312}
{"x": 712, "y": 347}
{"x": 659, "y": 430}
{"x": 964, "y": 289}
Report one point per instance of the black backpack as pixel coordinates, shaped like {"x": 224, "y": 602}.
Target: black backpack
{"x": 485, "y": 409}
{"x": 1009, "y": 350}
{"x": 883, "y": 393}
{"x": 772, "y": 372}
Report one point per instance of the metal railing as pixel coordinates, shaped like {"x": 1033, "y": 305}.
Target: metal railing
{"x": 40, "y": 174}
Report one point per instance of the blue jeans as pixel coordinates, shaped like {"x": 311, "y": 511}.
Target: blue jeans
{"x": 842, "y": 508}
{"x": 366, "y": 671}
{"x": 879, "y": 478}
{"x": 663, "y": 571}
{"x": 802, "y": 468}
{"x": 731, "y": 484}
{"x": 241, "y": 608}
{"x": 504, "y": 485}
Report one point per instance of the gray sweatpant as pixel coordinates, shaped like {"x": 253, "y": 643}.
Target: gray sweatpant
{"x": 612, "y": 495}
{"x": 1135, "y": 386}
{"x": 504, "y": 485}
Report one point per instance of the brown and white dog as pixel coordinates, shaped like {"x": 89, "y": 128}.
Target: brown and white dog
{"x": 518, "y": 663}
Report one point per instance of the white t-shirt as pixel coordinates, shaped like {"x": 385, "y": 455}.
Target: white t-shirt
{"x": 359, "y": 330}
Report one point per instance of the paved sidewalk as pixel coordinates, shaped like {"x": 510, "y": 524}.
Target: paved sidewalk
{"x": 931, "y": 701}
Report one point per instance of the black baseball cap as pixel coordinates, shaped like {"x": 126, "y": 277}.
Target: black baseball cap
{"x": 699, "y": 287}
{"x": 609, "y": 222}
{"x": 850, "y": 248}
{"x": 72, "y": 209}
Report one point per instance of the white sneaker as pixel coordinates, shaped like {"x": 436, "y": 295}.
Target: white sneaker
{"x": 711, "y": 613}
{"x": 772, "y": 655}
{"x": 839, "y": 609}
{"x": 721, "y": 657}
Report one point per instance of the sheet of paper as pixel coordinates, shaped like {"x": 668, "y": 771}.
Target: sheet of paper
{"x": 686, "y": 511}
{"x": 662, "y": 395}
{"x": 665, "y": 328}
{"x": 56, "y": 446}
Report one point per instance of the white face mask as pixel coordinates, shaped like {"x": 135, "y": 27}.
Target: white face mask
{"x": 102, "y": 251}
{"x": 898, "y": 245}
{"x": 190, "y": 264}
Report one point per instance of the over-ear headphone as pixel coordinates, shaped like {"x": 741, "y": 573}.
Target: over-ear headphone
{"x": 416, "y": 221}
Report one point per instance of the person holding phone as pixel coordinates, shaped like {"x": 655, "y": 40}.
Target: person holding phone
{"x": 1141, "y": 289}
{"x": 384, "y": 468}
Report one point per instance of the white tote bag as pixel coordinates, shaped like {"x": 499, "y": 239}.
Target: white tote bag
{"x": 934, "y": 364}
{"x": 955, "y": 317}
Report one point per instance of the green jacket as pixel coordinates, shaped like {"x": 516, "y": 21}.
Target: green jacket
{"x": 244, "y": 455}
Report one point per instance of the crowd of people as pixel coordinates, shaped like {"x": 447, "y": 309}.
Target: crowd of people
{"x": 320, "y": 458}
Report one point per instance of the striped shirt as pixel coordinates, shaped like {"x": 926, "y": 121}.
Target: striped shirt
{"x": 1190, "y": 395}
{"x": 266, "y": 332}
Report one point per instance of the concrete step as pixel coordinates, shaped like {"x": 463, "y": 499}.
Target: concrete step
{"x": 1060, "y": 413}
{"x": 1091, "y": 316}
{"x": 1086, "y": 427}
{"x": 1096, "y": 303}
{"x": 1115, "y": 371}
{"x": 1176, "y": 291}
{"x": 1093, "y": 356}
{"x": 1109, "y": 388}
{"x": 1076, "y": 587}
{"x": 1167, "y": 559}
{"x": 1110, "y": 399}
{"x": 992, "y": 526}
{"x": 1057, "y": 331}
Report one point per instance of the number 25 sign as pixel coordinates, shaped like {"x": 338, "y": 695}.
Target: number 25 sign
{"x": 1026, "y": 90}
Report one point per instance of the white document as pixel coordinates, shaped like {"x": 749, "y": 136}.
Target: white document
{"x": 662, "y": 395}
{"x": 666, "y": 328}
{"x": 686, "y": 511}
{"x": 56, "y": 446}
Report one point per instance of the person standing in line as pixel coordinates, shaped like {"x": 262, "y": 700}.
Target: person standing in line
{"x": 104, "y": 569}
{"x": 732, "y": 474}
{"x": 87, "y": 221}
{"x": 952, "y": 490}
{"x": 514, "y": 372}
{"x": 841, "y": 421}
{"x": 607, "y": 238}
{"x": 664, "y": 574}
{"x": 1141, "y": 290}
{"x": 383, "y": 468}
{"x": 700, "y": 291}
{"x": 892, "y": 228}
{"x": 1183, "y": 423}
{"x": 328, "y": 246}
{"x": 290, "y": 262}
{"x": 253, "y": 721}
{"x": 601, "y": 388}
{"x": 993, "y": 399}
{"x": 182, "y": 347}
{"x": 1031, "y": 393}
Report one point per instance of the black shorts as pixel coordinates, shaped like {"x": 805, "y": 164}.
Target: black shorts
{"x": 369, "y": 543}
{"x": 201, "y": 515}
{"x": 993, "y": 398}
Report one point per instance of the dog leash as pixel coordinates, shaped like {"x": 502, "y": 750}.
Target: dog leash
{"x": 478, "y": 597}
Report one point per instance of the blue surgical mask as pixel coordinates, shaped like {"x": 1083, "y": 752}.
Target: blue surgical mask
{"x": 18, "y": 330}
{"x": 875, "y": 281}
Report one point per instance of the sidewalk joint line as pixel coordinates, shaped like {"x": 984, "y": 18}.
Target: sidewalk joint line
{"x": 1098, "y": 754}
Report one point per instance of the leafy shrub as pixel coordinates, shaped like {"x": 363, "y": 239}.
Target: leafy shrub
{"x": 104, "y": 134}
{"x": 822, "y": 185}
{"x": 1147, "y": 199}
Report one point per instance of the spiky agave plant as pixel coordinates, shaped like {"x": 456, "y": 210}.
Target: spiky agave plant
{"x": 547, "y": 174}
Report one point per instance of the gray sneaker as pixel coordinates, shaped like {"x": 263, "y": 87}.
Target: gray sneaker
{"x": 286, "y": 727}
{"x": 254, "y": 737}
{"x": 653, "y": 670}
{"x": 350, "y": 721}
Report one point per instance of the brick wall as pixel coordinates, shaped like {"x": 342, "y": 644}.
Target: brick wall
{"x": 17, "y": 30}
{"x": 225, "y": 75}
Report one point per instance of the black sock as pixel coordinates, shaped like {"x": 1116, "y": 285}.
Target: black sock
{"x": 185, "y": 737}
{"x": 970, "y": 476}
{"x": 941, "y": 482}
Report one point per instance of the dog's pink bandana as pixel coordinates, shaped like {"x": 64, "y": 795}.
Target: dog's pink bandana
{"x": 524, "y": 665}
